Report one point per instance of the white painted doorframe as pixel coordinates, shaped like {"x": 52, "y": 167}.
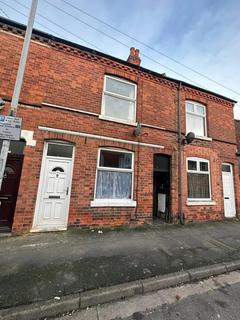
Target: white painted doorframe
{"x": 228, "y": 191}
{"x": 35, "y": 226}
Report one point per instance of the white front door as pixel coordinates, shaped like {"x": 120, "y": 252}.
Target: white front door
{"x": 54, "y": 188}
{"x": 228, "y": 191}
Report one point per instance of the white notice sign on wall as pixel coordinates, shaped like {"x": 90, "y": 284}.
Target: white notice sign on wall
{"x": 10, "y": 128}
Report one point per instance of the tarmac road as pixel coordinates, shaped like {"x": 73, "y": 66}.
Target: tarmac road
{"x": 222, "y": 304}
{"x": 212, "y": 299}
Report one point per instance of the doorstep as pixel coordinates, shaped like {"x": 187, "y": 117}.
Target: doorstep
{"x": 5, "y": 232}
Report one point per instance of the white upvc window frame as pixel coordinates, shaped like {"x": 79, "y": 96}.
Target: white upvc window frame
{"x": 195, "y": 113}
{"x": 105, "y": 92}
{"x": 114, "y": 202}
{"x": 198, "y": 160}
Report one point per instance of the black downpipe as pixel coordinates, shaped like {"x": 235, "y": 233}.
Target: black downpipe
{"x": 181, "y": 215}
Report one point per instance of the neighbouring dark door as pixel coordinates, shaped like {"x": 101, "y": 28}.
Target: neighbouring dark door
{"x": 9, "y": 191}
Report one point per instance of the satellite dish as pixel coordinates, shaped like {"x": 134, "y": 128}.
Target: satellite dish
{"x": 190, "y": 137}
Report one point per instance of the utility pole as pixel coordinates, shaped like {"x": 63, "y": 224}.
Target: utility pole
{"x": 18, "y": 85}
{"x": 180, "y": 213}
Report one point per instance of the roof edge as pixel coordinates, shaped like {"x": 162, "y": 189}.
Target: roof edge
{"x": 99, "y": 53}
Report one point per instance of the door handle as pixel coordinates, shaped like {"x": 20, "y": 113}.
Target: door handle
{"x": 226, "y": 198}
{"x": 67, "y": 191}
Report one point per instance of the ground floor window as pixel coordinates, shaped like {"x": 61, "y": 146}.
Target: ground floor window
{"x": 198, "y": 179}
{"x": 114, "y": 179}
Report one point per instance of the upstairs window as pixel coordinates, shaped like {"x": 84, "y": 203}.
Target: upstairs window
{"x": 119, "y": 100}
{"x": 198, "y": 178}
{"x": 196, "y": 118}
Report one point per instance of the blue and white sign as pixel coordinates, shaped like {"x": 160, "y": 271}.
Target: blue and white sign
{"x": 10, "y": 127}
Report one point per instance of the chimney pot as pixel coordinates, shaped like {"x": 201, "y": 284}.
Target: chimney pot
{"x": 134, "y": 56}
{"x": 132, "y": 51}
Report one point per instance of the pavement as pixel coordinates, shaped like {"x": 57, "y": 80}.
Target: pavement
{"x": 44, "y": 266}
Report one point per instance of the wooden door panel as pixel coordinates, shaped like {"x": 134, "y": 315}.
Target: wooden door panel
{"x": 9, "y": 190}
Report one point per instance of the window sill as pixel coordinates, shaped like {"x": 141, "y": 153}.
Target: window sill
{"x": 102, "y": 117}
{"x": 200, "y": 203}
{"x": 113, "y": 203}
{"x": 203, "y": 138}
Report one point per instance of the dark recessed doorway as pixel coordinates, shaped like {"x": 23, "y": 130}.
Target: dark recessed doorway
{"x": 161, "y": 187}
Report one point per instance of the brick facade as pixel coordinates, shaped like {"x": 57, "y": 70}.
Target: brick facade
{"x": 62, "y": 89}
{"x": 237, "y": 126}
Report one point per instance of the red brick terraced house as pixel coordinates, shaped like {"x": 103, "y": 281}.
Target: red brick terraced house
{"x": 104, "y": 142}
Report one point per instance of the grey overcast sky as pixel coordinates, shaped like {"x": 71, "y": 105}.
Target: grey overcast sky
{"x": 204, "y": 35}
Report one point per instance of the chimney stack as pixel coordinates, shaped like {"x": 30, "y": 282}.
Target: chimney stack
{"x": 134, "y": 56}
